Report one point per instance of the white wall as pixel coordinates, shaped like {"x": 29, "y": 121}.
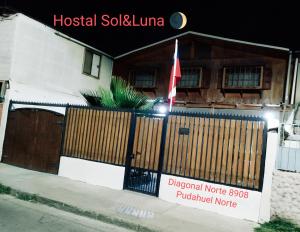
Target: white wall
{"x": 271, "y": 152}
{"x": 43, "y": 59}
{"x": 92, "y": 172}
{"x": 7, "y": 31}
{"x": 245, "y": 206}
{"x": 297, "y": 91}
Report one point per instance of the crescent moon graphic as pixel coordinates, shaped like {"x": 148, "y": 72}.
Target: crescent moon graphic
{"x": 184, "y": 20}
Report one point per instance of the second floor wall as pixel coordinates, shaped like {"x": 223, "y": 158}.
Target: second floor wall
{"x": 37, "y": 56}
{"x": 212, "y": 72}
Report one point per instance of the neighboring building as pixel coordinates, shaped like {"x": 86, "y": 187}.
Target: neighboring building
{"x": 216, "y": 72}
{"x": 39, "y": 64}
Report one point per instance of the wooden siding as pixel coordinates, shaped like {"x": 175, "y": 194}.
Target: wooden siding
{"x": 211, "y": 56}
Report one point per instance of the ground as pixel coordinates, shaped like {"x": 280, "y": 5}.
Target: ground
{"x": 23, "y": 216}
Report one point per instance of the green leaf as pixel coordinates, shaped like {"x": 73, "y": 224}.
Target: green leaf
{"x": 120, "y": 95}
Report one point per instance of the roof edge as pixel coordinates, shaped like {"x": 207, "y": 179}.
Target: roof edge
{"x": 207, "y": 36}
{"x": 63, "y": 35}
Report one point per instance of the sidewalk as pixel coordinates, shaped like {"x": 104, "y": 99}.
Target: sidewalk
{"x": 127, "y": 206}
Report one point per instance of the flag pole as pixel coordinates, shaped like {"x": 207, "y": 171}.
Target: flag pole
{"x": 174, "y": 72}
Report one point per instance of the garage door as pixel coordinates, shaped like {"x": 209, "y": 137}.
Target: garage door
{"x": 33, "y": 139}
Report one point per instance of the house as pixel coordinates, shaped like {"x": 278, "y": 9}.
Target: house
{"x": 217, "y": 73}
{"x": 40, "y": 64}
{"x": 157, "y": 154}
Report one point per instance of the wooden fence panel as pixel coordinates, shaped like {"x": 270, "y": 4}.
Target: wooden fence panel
{"x": 223, "y": 150}
{"x": 97, "y": 135}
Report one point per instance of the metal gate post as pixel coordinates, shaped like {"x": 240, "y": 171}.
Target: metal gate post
{"x": 129, "y": 147}
{"x": 263, "y": 158}
{"x": 161, "y": 152}
{"x": 64, "y": 131}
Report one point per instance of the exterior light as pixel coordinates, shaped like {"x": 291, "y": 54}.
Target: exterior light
{"x": 272, "y": 119}
{"x": 269, "y": 116}
{"x": 162, "y": 109}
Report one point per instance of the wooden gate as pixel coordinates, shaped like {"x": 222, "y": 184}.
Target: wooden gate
{"x": 143, "y": 165}
{"x": 33, "y": 139}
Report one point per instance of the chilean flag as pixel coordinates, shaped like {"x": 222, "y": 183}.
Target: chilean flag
{"x": 174, "y": 77}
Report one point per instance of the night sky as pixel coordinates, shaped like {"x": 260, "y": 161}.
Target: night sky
{"x": 271, "y": 23}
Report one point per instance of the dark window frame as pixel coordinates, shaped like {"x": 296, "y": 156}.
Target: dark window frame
{"x": 245, "y": 80}
{"x": 132, "y": 78}
{"x": 2, "y": 89}
{"x": 84, "y": 63}
{"x": 200, "y": 78}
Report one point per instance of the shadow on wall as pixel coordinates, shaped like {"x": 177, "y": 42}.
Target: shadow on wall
{"x": 1, "y": 107}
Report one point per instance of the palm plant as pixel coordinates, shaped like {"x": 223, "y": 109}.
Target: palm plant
{"x": 120, "y": 95}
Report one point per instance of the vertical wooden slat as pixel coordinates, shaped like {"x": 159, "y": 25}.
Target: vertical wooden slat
{"x": 258, "y": 154}
{"x": 208, "y": 154}
{"x": 225, "y": 151}
{"x": 187, "y": 165}
{"x": 179, "y": 147}
{"x": 214, "y": 149}
{"x": 193, "y": 162}
{"x": 175, "y": 144}
{"x": 167, "y": 145}
{"x": 154, "y": 145}
{"x": 241, "y": 153}
{"x": 97, "y": 129}
{"x": 127, "y": 123}
{"x": 84, "y": 134}
{"x": 139, "y": 155}
{"x": 102, "y": 135}
{"x": 204, "y": 148}
{"x": 235, "y": 152}
{"x": 119, "y": 139}
{"x": 92, "y": 134}
{"x": 149, "y": 140}
{"x": 158, "y": 141}
{"x": 112, "y": 137}
{"x": 144, "y": 146}
{"x": 230, "y": 151}
{"x": 199, "y": 147}
{"x": 172, "y": 124}
{"x": 220, "y": 150}
{"x": 77, "y": 122}
{"x": 69, "y": 132}
{"x": 253, "y": 155}
{"x": 136, "y": 142}
{"x": 82, "y": 123}
{"x": 116, "y": 138}
{"x": 74, "y": 136}
{"x": 247, "y": 153}
{"x": 89, "y": 134}
{"x": 108, "y": 136}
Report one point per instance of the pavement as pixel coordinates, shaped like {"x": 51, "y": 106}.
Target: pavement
{"x": 124, "y": 208}
{"x": 23, "y": 216}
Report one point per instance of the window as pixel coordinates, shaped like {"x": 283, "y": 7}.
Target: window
{"x": 190, "y": 78}
{"x": 91, "y": 65}
{"x": 143, "y": 78}
{"x": 242, "y": 77}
